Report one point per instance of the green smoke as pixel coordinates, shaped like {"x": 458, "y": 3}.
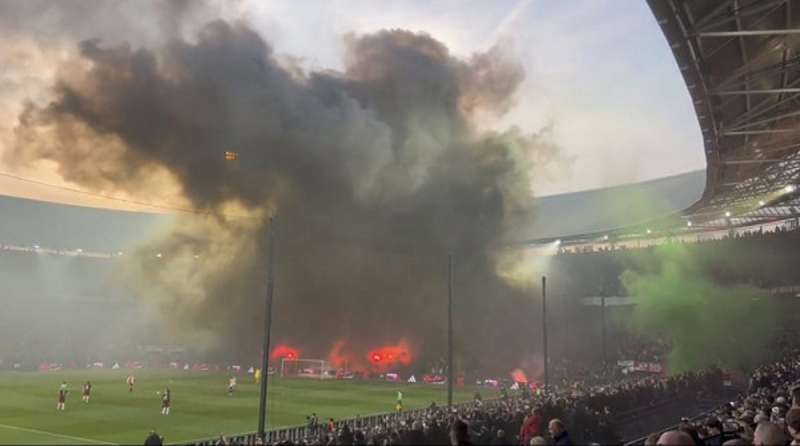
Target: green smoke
{"x": 705, "y": 323}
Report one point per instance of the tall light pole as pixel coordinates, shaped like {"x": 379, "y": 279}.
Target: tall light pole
{"x": 262, "y": 403}
{"x": 544, "y": 331}
{"x": 232, "y": 159}
{"x": 603, "y": 323}
{"x": 449, "y": 330}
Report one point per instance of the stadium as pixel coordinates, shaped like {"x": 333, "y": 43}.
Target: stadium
{"x": 207, "y": 241}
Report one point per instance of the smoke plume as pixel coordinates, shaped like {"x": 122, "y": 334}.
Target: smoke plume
{"x": 374, "y": 175}
{"x": 705, "y": 323}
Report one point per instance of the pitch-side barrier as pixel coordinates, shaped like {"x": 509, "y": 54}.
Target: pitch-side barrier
{"x": 297, "y": 433}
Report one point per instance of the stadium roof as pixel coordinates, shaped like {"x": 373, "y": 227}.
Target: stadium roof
{"x": 740, "y": 60}
{"x": 57, "y": 226}
{"x": 601, "y": 210}
{"x": 30, "y": 222}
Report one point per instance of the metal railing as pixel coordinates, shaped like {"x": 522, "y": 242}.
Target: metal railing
{"x": 300, "y": 432}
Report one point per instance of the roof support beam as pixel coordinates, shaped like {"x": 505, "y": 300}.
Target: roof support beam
{"x": 766, "y": 120}
{"x": 734, "y": 81}
{"x": 737, "y": 15}
{"x": 764, "y": 91}
{"x": 777, "y": 148}
{"x": 752, "y": 161}
{"x": 746, "y": 60}
{"x": 705, "y": 23}
{"x": 785, "y": 74}
{"x": 750, "y": 32}
{"x": 757, "y": 132}
{"x": 765, "y": 106}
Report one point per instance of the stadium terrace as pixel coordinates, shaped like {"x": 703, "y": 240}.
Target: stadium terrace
{"x": 219, "y": 228}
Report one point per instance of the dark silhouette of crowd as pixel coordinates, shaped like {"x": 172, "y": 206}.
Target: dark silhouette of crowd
{"x": 577, "y": 414}
{"x": 767, "y": 414}
{"x": 763, "y": 259}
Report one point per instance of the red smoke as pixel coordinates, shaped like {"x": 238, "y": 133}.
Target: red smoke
{"x": 284, "y": 351}
{"x": 387, "y": 356}
{"x": 342, "y": 359}
{"x": 519, "y": 376}
{"x": 379, "y": 359}
{"x": 533, "y": 366}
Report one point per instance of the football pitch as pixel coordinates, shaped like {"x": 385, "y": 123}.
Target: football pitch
{"x": 201, "y": 407}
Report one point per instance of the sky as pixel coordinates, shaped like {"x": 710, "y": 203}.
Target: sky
{"x": 601, "y": 82}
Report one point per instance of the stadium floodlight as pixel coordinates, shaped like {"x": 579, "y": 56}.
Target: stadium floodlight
{"x": 761, "y": 202}
{"x": 789, "y": 188}
{"x": 727, "y": 213}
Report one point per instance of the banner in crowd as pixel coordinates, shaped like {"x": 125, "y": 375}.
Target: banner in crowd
{"x": 392, "y": 377}
{"x": 630, "y": 366}
{"x": 434, "y": 379}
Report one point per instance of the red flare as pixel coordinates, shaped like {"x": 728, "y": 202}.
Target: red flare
{"x": 390, "y": 356}
{"x": 284, "y": 351}
{"x": 519, "y": 376}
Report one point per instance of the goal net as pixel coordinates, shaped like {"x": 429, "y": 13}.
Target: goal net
{"x": 307, "y": 368}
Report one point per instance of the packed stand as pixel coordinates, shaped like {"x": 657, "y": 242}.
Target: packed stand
{"x": 769, "y": 414}
{"x": 576, "y": 414}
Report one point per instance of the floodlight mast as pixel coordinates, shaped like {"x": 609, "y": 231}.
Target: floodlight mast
{"x": 262, "y": 403}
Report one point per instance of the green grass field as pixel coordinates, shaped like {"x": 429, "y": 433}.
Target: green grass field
{"x": 201, "y": 407}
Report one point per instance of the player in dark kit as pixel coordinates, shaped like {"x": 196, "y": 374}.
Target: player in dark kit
{"x": 166, "y": 400}
{"x": 87, "y": 392}
{"x": 62, "y": 398}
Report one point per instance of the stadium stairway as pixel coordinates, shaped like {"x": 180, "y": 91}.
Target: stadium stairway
{"x": 634, "y": 426}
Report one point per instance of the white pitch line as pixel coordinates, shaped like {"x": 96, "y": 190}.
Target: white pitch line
{"x": 197, "y": 440}
{"x": 37, "y": 431}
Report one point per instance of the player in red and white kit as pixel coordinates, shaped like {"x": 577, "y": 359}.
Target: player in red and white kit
{"x": 166, "y": 400}
{"x": 131, "y": 381}
{"x": 87, "y": 392}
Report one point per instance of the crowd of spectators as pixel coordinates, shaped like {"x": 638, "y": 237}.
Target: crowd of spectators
{"x": 768, "y": 414}
{"x": 636, "y": 348}
{"x": 581, "y": 412}
{"x": 628, "y": 346}
{"x": 608, "y": 244}
{"x": 575, "y": 414}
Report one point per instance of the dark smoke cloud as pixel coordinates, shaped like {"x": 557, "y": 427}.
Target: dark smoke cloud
{"x": 49, "y": 22}
{"x": 375, "y": 173}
